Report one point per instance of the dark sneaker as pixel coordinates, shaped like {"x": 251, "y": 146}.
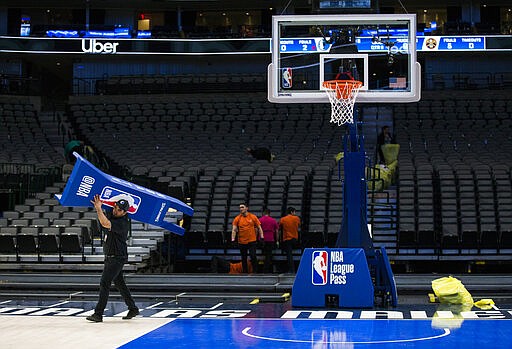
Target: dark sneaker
{"x": 131, "y": 314}
{"x": 95, "y": 318}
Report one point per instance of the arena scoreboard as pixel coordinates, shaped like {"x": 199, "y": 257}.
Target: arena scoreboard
{"x": 368, "y": 44}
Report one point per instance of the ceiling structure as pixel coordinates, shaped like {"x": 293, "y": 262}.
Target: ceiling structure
{"x": 230, "y": 4}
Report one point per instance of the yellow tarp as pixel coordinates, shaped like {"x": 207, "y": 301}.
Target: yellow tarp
{"x": 390, "y": 152}
{"x": 383, "y": 174}
{"x": 450, "y": 290}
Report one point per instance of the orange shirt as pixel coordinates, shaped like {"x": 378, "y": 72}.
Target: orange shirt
{"x": 246, "y": 227}
{"x": 290, "y": 226}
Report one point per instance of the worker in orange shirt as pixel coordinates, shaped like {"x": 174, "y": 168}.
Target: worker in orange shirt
{"x": 246, "y": 225}
{"x": 289, "y": 229}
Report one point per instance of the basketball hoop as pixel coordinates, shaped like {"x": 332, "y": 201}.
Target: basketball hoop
{"x": 342, "y": 95}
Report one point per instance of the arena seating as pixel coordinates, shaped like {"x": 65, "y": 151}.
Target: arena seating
{"x": 180, "y": 83}
{"x": 200, "y": 141}
{"x": 42, "y": 234}
{"x": 455, "y": 173}
{"x": 22, "y": 140}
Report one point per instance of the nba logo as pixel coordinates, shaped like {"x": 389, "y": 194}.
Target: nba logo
{"x": 287, "y": 78}
{"x": 319, "y": 267}
{"x": 109, "y": 196}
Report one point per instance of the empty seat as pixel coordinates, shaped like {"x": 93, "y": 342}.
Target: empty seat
{"x": 469, "y": 235}
{"x": 11, "y": 215}
{"x": 62, "y": 222}
{"x": 51, "y": 215}
{"x": 195, "y": 237}
{"x": 48, "y": 243}
{"x": 40, "y": 222}
{"x": 26, "y": 243}
{"x": 71, "y": 215}
{"x": 7, "y": 244}
{"x": 71, "y": 240}
{"x": 9, "y": 230}
{"x": 407, "y": 232}
{"x": 31, "y": 215}
{"x": 215, "y": 233}
{"x": 20, "y": 222}
{"x": 426, "y": 234}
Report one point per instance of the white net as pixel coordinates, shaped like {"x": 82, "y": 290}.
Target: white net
{"x": 342, "y": 95}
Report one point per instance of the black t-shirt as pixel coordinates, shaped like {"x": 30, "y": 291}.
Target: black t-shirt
{"x": 115, "y": 241}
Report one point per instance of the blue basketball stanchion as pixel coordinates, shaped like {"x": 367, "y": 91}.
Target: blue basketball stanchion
{"x": 355, "y": 273}
{"x": 337, "y": 277}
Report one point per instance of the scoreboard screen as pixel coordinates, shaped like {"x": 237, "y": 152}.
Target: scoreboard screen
{"x": 342, "y": 4}
{"x": 451, "y": 43}
{"x": 368, "y": 44}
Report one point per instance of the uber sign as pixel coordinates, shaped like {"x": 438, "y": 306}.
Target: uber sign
{"x": 99, "y": 47}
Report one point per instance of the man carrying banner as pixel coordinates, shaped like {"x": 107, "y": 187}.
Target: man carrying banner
{"x": 115, "y": 250}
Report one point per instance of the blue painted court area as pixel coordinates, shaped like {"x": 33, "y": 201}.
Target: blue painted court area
{"x": 316, "y": 334}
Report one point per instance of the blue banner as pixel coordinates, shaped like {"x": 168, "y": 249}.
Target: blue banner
{"x": 146, "y": 205}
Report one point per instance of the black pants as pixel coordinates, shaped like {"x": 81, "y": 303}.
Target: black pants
{"x": 268, "y": 246}
{"x": 288, "y": 246}
{"x": 251, "y": 247}
{"x": 113, "y": 271}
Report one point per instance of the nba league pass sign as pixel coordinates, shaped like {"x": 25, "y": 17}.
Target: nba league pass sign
{"x": 146, "y": 205}
{"x": 330, "y": 268}
{"x": 341, "y": 272}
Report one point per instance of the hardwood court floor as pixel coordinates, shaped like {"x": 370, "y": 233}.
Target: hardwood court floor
{"x": 223, "y": 323}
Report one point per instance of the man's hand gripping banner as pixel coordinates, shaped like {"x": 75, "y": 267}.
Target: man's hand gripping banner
{"x": 146, "y": 205}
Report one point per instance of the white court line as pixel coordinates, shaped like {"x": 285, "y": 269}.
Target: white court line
{"x": 446, "y": 333}
{"x": 154, "y": 305}
{"x": 57, "y": 304}
{"x": 216, "y": 306}
{"x": 5, "y": 302}
{"x": 165, "y": 307}
{"x": 211, "y": 308}
{"x": 74, "y": 294}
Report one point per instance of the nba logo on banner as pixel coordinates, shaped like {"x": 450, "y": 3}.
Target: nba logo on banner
{"x": 287, "y": 78}
{"x": 109, "y": 196}
{"x": 319, "y": 267}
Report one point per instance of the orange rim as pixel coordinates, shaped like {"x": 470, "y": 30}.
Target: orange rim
{"x": 343, "y": 87}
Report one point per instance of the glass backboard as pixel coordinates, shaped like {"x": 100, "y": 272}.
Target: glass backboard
{"x": 378, "y": 50}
